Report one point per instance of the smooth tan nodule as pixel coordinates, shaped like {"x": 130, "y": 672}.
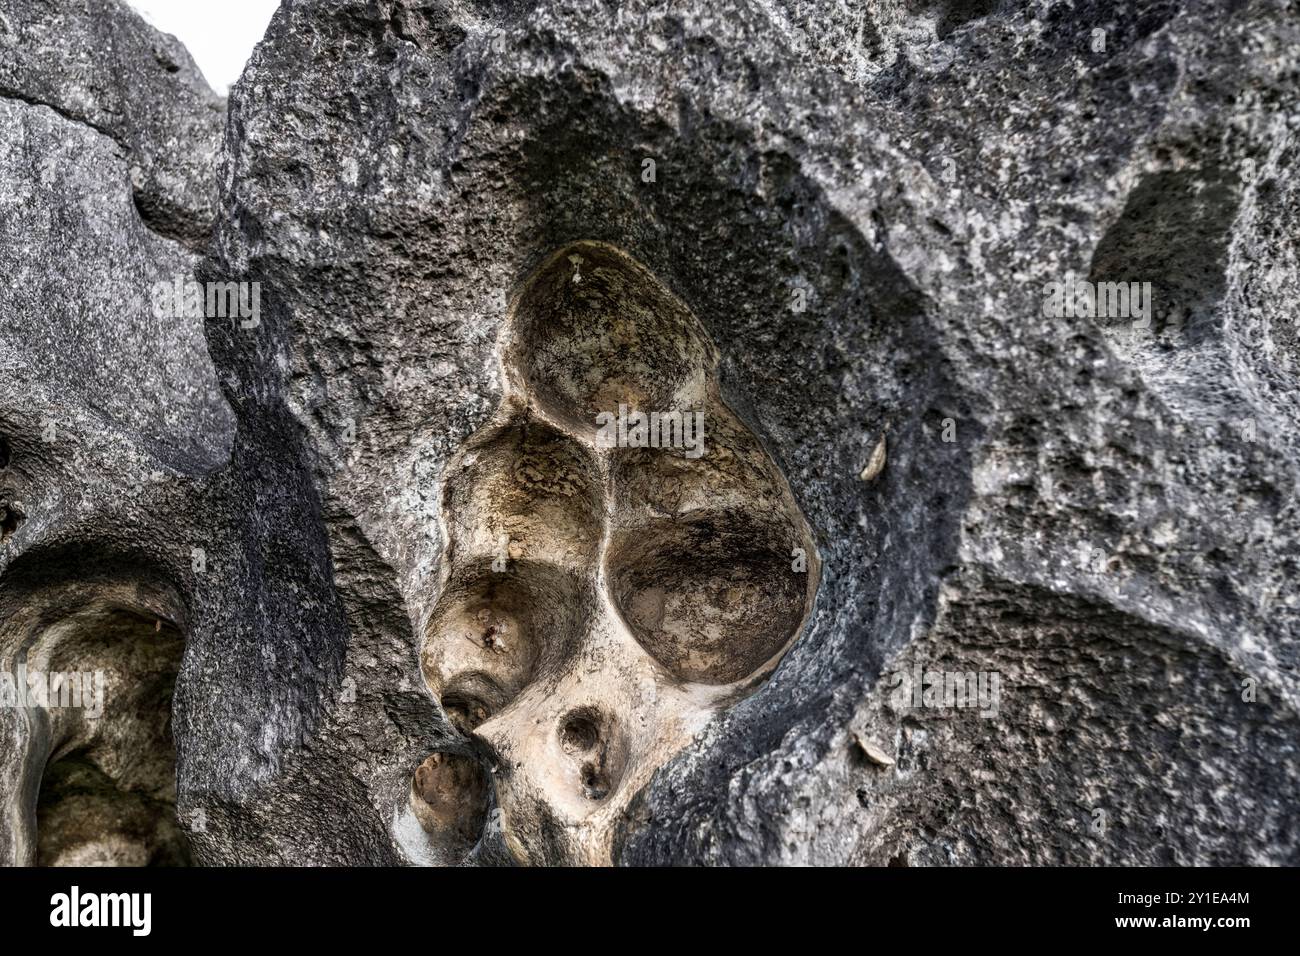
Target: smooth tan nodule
{"x": 600, "y": 604}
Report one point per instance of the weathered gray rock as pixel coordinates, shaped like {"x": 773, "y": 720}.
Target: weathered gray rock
{"x": 863, "y": 204}
{"x": 111, "y": 419}
{"x": 96, "y": 63}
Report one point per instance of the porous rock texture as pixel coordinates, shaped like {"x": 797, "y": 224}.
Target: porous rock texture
{"x": 862, "y": 203}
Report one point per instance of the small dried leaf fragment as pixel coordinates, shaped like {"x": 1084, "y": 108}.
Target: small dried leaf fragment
{"x": 876, "y": 463}
{"x": 873, "y": 752}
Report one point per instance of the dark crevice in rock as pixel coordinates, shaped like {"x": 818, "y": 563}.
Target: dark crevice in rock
{"x": 170, "y": 222}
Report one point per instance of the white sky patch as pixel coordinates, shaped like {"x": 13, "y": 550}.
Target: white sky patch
{"x": 220, "y": 36}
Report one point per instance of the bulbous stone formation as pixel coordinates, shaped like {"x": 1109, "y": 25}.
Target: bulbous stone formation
{"x": 965, "y": 533}
{"x": 603, "y": 599}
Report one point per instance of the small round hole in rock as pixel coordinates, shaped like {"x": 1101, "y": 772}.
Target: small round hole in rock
{"x": 11, "y": 516}
{"x": 595, "y": 784}
{"x": 490, "y": 630}
{"x": 580, "y": 732}
{"x": 465, "y": 711}
{"x": 449, "y": 796}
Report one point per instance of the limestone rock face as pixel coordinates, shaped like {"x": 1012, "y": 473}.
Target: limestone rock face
{"x": 1051, "y": 547}
{"x": 97, "y": 64}
{"x": 112, "y": 422}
